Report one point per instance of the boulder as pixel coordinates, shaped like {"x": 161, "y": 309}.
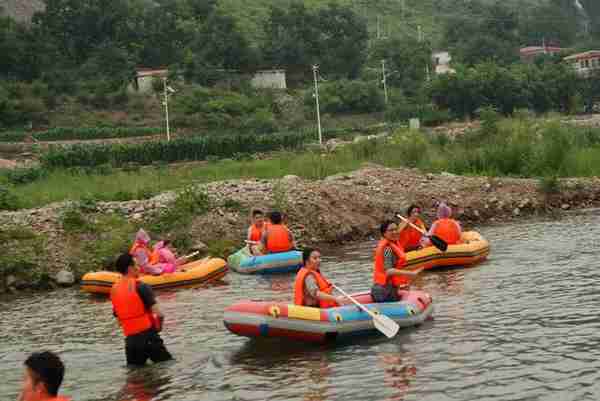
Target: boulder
{"x": 199, "y": 246}
{"x": 65, "y": 277}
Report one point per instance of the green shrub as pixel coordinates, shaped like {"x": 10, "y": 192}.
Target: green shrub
{"x": 489, "y": 118}
{"x": 345, "y": 96}
{"x": 189, "y": 202}
{"x": 73, "y": 220}
{"x": 8, "y": 200}
{"x": 21, "y": 176}
{"x": 549, "y": 185}
{"x": 180, "y": 149}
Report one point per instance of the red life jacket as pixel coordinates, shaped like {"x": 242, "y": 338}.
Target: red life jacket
{"x": 324, "y": 286}
{"x": 410, "y": 238}
{"x": 58, "y": 398}
{"x": 256, "y": 233}
{"x": 278, "y": 239}
{"x": 448, "y": 230}
{"x": 129, "y": 307}
{"x": 379, "y": 275}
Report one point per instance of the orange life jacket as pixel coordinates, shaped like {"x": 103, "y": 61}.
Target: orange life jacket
{"x": 154, "y": 257}
{"x": 58, "y": 398}
{"x": 410, "y": 238}
{"x": 278, "y": 239}
{"x": 448, "y": 230}
{"x": 379, "y": 275}
{"x": 324, "y": 286}
{"x": 137, "y": 246}
{"x": 129, "y": 307}
{"x": 256, "y": 233}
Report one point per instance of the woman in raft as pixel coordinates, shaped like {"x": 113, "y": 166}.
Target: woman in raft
{"x": 410, "y": 238}
{"x": 445, "y": 227}
{"x": 388, "y": 273}
{"x": 310, "y": 287}
{"x": 152, "y": 261}
{"x": 164, "y": 258}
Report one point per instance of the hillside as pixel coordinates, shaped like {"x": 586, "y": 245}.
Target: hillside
{"x": 20, "y": 10}
{"x": 393, "y": 17}
{"x": 388, "y": 17}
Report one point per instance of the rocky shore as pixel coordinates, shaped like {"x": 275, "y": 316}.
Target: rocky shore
{"x": 340, "y": 208}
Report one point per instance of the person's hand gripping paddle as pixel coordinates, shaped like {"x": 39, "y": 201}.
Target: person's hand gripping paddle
{"x": 382, "y": 323}
{"x": 435, "y": 240}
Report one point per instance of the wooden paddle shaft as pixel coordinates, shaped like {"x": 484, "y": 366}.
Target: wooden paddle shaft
{"x": 412, "y": 225}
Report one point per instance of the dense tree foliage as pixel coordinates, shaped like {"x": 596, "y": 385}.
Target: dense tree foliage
{"x": 333, "y": 37}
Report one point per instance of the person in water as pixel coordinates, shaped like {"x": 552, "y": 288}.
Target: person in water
{"x": 445, "y": 227}
{"x": 255, "y": 231}
{"x": 410, "y": 238}
{"x": 44, "y": 372}
{"x": 276, "y": 237}
{"x": 310, "y": 287}
{"x": 140, "y": 317}
{"x": 389, "y": 275}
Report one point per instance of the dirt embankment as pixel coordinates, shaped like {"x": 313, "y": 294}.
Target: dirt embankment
{"x": 343, "y": 207}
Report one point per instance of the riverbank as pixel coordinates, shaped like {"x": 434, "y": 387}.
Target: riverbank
{"x": 70, "y": 237}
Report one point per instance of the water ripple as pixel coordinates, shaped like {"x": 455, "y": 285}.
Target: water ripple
{"x": 522, "y": 326}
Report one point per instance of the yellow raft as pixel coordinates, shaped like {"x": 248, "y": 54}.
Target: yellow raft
{"x": 473, "y": 250}
{"x": 193, "y": 273}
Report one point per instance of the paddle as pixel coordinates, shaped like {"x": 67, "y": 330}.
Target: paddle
{"x": 382, "y": 323}
{"x": 435, "y": 240}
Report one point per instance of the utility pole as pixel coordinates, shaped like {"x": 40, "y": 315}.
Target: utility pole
{"x": 383, "y": 81}
{"x": 166, "y": 102}
{"x": 420, "y": 34}
{"x": 315, "y": 68}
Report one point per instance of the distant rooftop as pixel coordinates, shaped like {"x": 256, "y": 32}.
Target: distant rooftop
{"x": 585, "y": 55}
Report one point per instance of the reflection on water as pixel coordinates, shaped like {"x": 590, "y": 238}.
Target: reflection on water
{"x": 522, "y": 326}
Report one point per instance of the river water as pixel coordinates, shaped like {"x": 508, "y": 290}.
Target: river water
{"x": 522, "y": 326}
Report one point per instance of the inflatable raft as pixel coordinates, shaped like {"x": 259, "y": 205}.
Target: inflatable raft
{"x": 272, "y": 319}
{"x": 244, "y": 262}
{"x": 474, "y": 249}
{"x": 194, "y": 273}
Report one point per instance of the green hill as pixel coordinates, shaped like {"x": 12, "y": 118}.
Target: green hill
{"x": 384, "y": 17}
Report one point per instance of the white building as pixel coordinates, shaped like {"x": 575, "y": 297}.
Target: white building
{"x": 142, "y": 82}
{"x": 584, "y": 63}
{"x": 269, "y": 79}
{"x": 441, "y": 61}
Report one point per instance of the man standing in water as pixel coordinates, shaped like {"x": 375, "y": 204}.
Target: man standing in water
{"x": 44, "y": 372}
{"x": 135, "y": 307}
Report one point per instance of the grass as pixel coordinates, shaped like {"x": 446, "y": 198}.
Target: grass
{"x": 516, "y": 148}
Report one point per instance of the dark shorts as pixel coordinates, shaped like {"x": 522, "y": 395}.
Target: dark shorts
{"x": 387, "y": 293}
{"x": 147, "y": 344}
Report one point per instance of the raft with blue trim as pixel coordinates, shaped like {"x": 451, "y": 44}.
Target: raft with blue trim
{"x": 276, "y": 319}
{"x": 283, "y": 262}
{"x": 473, "y": 249}
{"x": 192, "y": 274}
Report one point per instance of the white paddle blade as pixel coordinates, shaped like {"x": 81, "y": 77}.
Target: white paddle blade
{"x": 386, "y": 325}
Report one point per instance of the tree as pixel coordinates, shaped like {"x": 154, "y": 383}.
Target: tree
{"x": 333, "y": 37}
{"x": 407, "y": 61}
{"x": 342, "y": 41}
{"x": 490, "y": 33}
{"x": 77, "y": 26}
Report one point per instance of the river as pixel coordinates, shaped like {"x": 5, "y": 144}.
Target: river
{"x": 521, "y": 326}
